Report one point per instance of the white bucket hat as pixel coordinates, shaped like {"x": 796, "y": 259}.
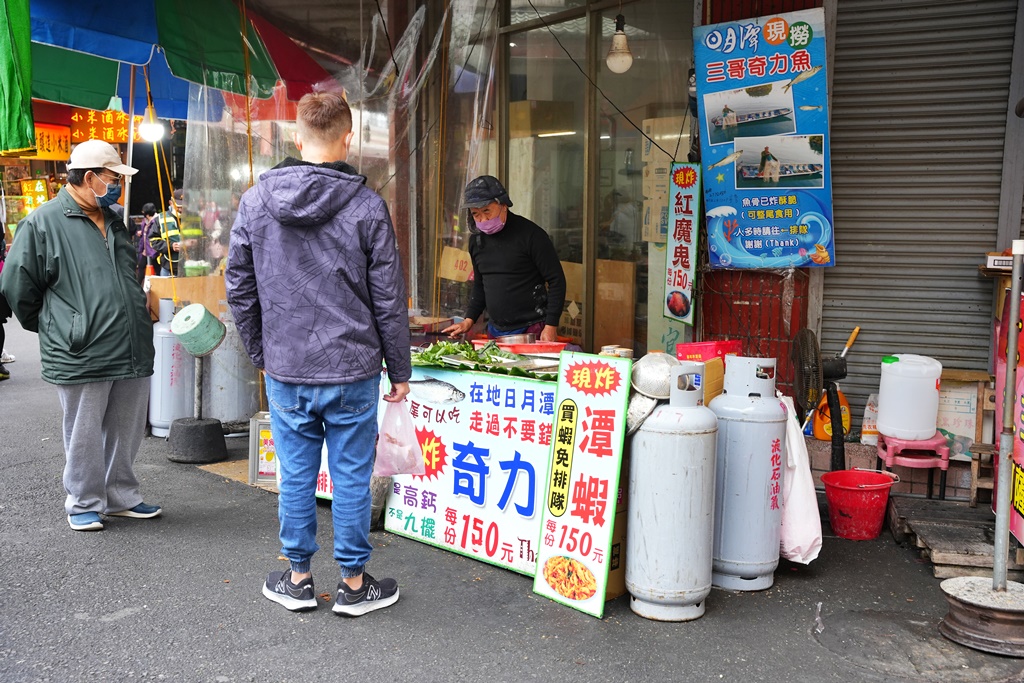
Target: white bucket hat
{"x": 98, "y": 154}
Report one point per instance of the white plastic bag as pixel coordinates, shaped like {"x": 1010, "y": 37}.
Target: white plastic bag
{"x": 398, "y": 450}
{"x": 801, "y": 522}
{"x": 869, "y": 425}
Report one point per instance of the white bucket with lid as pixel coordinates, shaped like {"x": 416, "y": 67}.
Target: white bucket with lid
{"x": 908, "y": 396}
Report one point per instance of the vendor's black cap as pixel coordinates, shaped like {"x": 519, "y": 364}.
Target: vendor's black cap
{"x": 482, "y": 191}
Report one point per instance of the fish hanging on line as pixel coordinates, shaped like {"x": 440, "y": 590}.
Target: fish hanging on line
{"x": 435, "y": 391}
{"x": 727, "y": 160}
{"x": 802, "y": 76}
{"x": 810, "y": 107}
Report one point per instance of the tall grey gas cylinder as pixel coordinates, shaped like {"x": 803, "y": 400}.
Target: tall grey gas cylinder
{"x": 172, "y": 386}
{"x": 748, "y": 478}
{"x": 231, "y": 384}
{"x": 672, "y": 498}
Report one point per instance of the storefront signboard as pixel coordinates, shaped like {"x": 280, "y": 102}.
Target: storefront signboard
{"x": 110, "y": 126}
{"x": 485, "y": 441}
{"x": 1017, "y": 467}
{"x": 681, "y": 261}
{"x": 35, "y": 192}
{"x": 53, "y": 143}
{"x": 578, "y": 511}
{"x": 763, "y": 111}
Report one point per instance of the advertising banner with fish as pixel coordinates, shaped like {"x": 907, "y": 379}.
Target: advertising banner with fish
{"x": 762, "y": 103}
{"x": 485, "y": 441}
{"x": 681, "y": 260}
{"x": 586, "y": 454}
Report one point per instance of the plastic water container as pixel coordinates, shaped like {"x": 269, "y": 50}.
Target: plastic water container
{"x": 908, "y": 396}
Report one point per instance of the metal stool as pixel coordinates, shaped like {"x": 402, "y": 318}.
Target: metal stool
{"x": 926, "y": 453}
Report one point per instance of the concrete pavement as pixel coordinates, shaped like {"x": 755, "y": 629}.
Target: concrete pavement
{"x": 178, "y": 598}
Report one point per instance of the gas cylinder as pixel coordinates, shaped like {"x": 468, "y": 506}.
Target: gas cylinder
{"x": 671, "y": 493}
{"x": 172, "y": 387}
{"x": 750, "y": 462}
{"x": 231, "y": 384}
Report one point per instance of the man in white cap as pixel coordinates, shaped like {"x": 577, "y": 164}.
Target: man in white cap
{"x": 70, "y": 277}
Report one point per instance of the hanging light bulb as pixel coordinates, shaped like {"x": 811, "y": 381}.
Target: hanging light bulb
{"x": 150, "y": 129}
{"x": 619, "y": 57}
{"x": 115, "y": 104}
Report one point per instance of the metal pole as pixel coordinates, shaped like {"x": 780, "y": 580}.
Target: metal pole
{"x": 131, "y": 151}
{"x": 1002, "y": 539}
{"x": 198, "y": 403}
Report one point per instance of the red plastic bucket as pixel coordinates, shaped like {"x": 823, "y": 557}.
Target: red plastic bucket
{"x": 856, "y": 501}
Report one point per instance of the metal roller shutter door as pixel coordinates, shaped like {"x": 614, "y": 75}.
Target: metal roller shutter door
{"x": 918, "y": 118}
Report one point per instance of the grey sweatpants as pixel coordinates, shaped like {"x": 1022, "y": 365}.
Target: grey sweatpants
{"x": 104, "y": 423}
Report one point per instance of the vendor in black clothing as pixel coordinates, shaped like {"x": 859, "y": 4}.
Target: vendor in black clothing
{"x": 518, "y": 278}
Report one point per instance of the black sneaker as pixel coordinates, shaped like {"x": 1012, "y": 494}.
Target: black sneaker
{"x": 297, "y": 598}
{"x": 373, "y": 594}
{"x": 4, "y": 373}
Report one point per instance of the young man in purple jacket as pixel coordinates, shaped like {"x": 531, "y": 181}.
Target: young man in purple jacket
{"x": 317, "y": 292}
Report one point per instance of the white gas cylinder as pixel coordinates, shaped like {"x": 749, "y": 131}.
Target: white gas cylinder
{"x": 172, "y": 387}
{"x": 671, "y": 492}
{"x": 750, "y": 462}
{"x": 231, "y": 384}
{"x": 908, "y": 396}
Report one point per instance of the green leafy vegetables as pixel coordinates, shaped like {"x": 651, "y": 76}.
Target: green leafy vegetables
{"x": 489, "y": 358}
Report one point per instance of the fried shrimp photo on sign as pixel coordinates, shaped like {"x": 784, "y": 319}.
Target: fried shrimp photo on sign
{"x": 570, "y": 578}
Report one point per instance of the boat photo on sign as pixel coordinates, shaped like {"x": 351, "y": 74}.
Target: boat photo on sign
{"x": 761, "y": 110}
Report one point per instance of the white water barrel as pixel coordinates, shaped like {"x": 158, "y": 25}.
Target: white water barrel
{"x": 908, "y": 396}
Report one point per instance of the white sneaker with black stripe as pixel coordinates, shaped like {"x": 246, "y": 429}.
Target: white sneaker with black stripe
{"x": 295, "y": 597}
{"x": 372, "y": 595}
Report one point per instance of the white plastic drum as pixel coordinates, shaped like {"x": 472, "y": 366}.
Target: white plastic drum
{"x": 908, "y": 396}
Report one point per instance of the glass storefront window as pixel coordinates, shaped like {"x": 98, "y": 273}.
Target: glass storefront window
{"x": 527, "y": 10}
{"x": 545, "y": 145}
{"x": 639, "y": 111}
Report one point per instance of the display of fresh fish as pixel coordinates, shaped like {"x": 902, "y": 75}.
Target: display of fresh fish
{"x": 435, "y": 391}
{"x": 803, "y": 76}
{"x": 810, "y": 107}
{"x": 727, "y": 160}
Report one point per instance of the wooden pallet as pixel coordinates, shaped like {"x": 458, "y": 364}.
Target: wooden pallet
{"x": 956, "y": 538}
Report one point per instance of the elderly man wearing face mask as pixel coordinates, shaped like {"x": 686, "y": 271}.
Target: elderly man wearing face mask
{"x": 70, "y": 277}
{"x": 517, "y": 276}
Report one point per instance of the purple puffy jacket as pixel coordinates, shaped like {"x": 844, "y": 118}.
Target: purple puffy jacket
{"x": 314, "y": 280}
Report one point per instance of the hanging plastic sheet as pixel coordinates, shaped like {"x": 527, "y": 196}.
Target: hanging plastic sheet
{"x": 426, "y": 102}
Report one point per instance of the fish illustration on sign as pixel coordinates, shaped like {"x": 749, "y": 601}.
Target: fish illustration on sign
{"x": 727, "y": 160}
{"x": 803, "y": 76}
{"x": 435, "y": 391}
{"x": 810, "y": 107}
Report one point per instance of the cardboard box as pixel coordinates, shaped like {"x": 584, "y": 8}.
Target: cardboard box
{"x": 665, "y": 132}
{"x": 616, "y": 585}
{"x": 207, "y": 290}
{"x": 656, "y": 181}
{"x": 654, "y": 221}
{"x": 536, "y": 117}
{"x": 704, "y": 351}
{"x": 998, "y": 261}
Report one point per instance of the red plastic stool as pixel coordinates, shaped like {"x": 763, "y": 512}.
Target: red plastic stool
{"x": 926, "y": 453}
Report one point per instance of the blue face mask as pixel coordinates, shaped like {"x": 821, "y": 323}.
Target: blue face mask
{"x": 111, "y": 197}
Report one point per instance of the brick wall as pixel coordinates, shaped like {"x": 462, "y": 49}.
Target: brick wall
{"x": 914, "y": 481}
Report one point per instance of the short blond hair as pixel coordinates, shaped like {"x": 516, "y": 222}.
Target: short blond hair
{"x": 323, "y": 117}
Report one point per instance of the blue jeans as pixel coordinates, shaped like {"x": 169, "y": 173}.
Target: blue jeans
{"x": 302, "y": 416}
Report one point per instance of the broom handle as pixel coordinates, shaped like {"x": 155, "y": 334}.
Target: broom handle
{"x": 849, "y": 342}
